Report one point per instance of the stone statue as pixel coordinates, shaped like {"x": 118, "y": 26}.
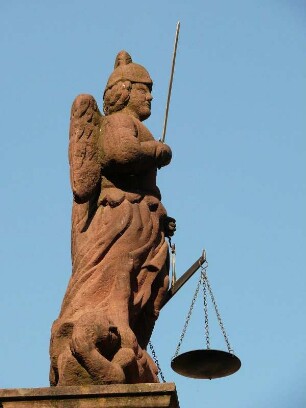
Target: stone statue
{"x": 120, "y": 259}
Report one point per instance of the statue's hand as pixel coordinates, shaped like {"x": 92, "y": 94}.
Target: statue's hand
{"x": 169, "y": 226}
{"x": 163, "y": 154}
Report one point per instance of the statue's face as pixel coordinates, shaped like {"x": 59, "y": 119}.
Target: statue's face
{"x": 139, "y": 103}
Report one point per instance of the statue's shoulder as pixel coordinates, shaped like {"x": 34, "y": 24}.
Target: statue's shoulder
{"x": 120, "y": 120}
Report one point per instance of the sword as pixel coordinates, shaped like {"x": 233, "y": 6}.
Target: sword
{"x": 171, "y": 81}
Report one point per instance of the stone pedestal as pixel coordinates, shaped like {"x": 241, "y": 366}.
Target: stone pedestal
{"x": 95, "y": 396}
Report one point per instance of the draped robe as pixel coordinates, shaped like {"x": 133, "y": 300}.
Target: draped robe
{"x": 119, "y": 266}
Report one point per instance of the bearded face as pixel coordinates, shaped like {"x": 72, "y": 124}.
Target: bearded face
{"x": 139, "y": 103}
{"x": 134, "y": 98}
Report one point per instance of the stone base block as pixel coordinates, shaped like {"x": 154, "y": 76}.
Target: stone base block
{"x": 93, "y": 396}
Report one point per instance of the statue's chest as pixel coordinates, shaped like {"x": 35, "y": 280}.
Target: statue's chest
{"x": 143, "y": 133}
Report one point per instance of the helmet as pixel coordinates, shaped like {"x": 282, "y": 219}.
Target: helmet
{"x": 127, "y": 70}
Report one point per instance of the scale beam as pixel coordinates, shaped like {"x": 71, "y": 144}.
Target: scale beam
{"x": 184, "y": 278}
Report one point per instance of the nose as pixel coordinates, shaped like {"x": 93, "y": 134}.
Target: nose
{"x": 149, "y": 97}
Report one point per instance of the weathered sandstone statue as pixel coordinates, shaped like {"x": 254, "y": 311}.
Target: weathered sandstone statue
{"x": 119, "y": 253}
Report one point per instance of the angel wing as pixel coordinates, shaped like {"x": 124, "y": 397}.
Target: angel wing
{"x": 85, "y": 129}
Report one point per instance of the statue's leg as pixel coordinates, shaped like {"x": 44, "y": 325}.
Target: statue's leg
{"x": 144, "y": 326}
{"x": 145, "y": 322}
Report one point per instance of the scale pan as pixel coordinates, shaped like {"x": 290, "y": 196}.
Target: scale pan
{"x": 206, "y": 364}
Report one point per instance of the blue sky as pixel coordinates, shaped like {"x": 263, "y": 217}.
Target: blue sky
{"x": 236, "y": 184}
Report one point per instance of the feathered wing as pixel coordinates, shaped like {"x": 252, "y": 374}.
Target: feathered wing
{"x": 85, "y": 131}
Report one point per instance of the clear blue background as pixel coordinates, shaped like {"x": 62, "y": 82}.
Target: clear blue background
{"x": 236, "y": 184}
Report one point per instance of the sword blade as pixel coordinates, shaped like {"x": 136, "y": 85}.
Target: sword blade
{"x": 171, "y": 81}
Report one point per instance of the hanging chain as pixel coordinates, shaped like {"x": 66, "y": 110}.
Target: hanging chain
{"x": 187, "y": 318}
{"x": 230, "y": 350}
{"x": 206, "y": 288}
{"x": 204, "y": 283}
{"x": 173, "y": 262}
{"x": 156, "y": 362}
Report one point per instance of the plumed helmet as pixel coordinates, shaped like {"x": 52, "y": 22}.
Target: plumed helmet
{"x": 126, "y": 70}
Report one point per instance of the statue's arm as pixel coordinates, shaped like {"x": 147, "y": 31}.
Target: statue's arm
{"x": 123, "y": 152}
